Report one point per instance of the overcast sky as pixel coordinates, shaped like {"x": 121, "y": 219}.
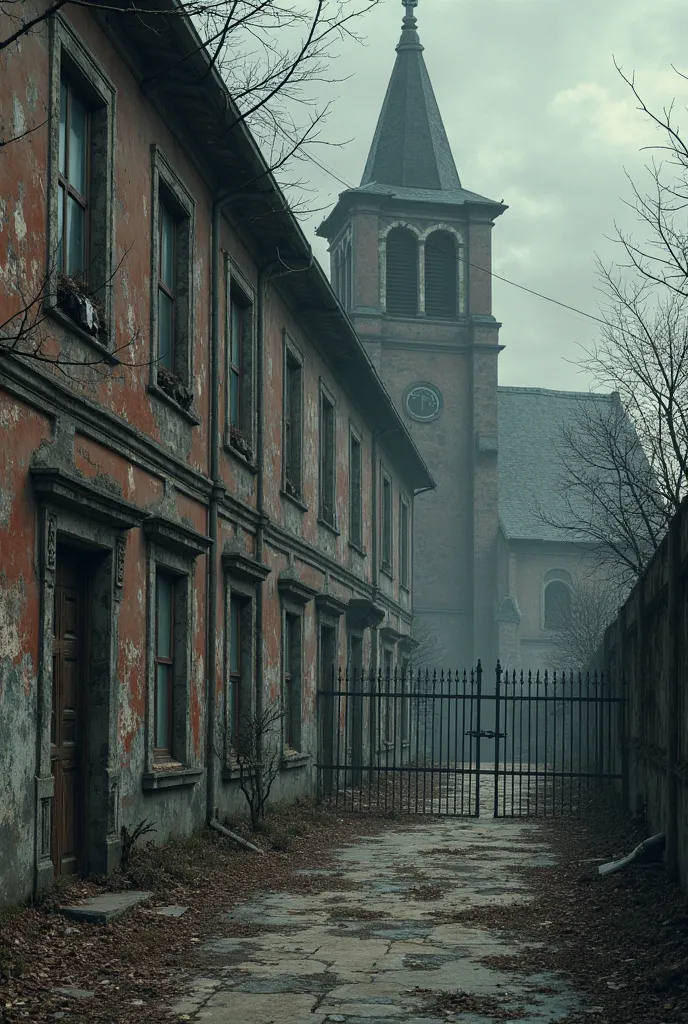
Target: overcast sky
{"x": 536, "y": 115}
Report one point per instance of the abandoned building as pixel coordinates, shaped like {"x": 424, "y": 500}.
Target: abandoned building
{"x": 206, "y": 493}
{"x": 411, "y": 260}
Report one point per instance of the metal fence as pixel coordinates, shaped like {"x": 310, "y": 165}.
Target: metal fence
{"x": 445, "y": 743}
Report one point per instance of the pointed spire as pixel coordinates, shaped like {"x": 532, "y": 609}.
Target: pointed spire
{"x": 410, "y": 147}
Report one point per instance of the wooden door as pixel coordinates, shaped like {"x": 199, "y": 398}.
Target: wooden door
{"x": 67, "y": 731}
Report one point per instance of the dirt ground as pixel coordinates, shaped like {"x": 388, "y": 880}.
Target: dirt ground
{"x": 620, "y": 940}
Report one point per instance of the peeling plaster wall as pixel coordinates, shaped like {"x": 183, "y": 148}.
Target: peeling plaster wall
{"x": 105, "y": 428}
{"x": 18, "y": 647}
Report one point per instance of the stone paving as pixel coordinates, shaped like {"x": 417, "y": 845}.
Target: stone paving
{"x": 362, "y": 955}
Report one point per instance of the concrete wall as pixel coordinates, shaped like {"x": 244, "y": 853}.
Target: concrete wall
{"x": 645, "y": 654}
{"x": 124, "y": 455}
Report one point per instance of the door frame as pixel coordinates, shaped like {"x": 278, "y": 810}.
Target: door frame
{"x": 74, "y": 512}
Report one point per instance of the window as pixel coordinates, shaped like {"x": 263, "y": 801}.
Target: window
{"x": 386, "y": 523}
{"x": 402, "y": 273}
{"x": 327, "y": 460}
{"x": 235, "y": 670}
{"x": 355, "y": 492}
{"x": 166, "y": 287}
{"x": 172, "y": 284}
{"x": 164, "y": 666}
{"x": 81, "y": 186}
{"x": 441, "y": 275}
{"x": 236, "y": 344}
{"x": 557, "y": 605}
{"x": 404, "y": 543}
{"x": 292, "y": 682}
{"x": 73, "y": 185}
{"x": 239, "y": 364}
{"x": 292, "y": 424}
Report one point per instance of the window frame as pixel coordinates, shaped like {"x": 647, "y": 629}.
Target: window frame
{"x": 386, "y": 538}
{"x": 327, "y": 515}
{"x": 64, "y": 183}
{"x": 292, "y": 433}
{"x": 170, "y": 193}
{"x": 239, "y": 437}
{"x": 72, "y": 61}
{"x": 414, "y": 310}
{"x": 404, "y": 542}
{"x": 355, "y": 501}
{"x": 165, "y": 753}
{"x": 245, "y": 593}
{"x": 180, "y": 570}
{"x": 547, "y": 583}
{"x": 292, "y": 679}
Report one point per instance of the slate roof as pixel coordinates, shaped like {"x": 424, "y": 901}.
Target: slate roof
{"x": 454, "y": 197}
{"x": 530, "y": 469}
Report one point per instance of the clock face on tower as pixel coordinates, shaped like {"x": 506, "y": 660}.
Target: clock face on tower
{"x": 423, "y": 402}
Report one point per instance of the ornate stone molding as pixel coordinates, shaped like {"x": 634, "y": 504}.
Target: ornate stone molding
{"x": 176, "y": 536}
{"x": 78, "y": 494}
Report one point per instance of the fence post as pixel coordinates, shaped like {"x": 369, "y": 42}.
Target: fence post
{"x": 498, "y": 689}
{"x": 623, "y": 706}
{"x": 672, "y": 697}
{"x": 479, "y": 679}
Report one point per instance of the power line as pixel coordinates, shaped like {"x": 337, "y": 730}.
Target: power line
{"x": 462, "y": 259}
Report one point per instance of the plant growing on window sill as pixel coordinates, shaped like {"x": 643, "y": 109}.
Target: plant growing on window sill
{"x": 292, "y": 490}
{"x": 174, "y": 388}
{"x": 75, "y": 300}
{"x": 239, "y": 443}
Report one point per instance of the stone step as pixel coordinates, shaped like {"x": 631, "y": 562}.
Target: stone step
{"x": 106, "y": 907}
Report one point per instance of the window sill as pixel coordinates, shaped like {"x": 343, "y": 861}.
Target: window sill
{"x": 386, "y": 568}
{"x": 231, "y": 771}
{"x": 240, "y": 457}
{"x": 294, "y": 500}
{"x": 294, "y": 759}
{"x": 329, "y": 526}
{"x": 405, "y": 587}
{"x": 55, "y": 313}
{"x": 358, "y": 549}
{"x": 188, "y": 414}
{"x": 171, "y": 775}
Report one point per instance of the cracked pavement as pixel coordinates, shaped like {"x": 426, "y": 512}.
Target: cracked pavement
{"x": 383, "y": 949}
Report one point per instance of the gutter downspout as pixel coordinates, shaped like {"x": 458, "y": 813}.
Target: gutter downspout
{"x": 217, "y": 493}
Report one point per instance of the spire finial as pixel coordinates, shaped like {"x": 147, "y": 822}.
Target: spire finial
{"x": 410, "y": 6}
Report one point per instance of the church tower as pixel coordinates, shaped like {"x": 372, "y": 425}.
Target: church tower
{"x": 410, "y": 253}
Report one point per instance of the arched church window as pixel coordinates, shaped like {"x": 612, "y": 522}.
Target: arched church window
{"x": 402, "y": 272}
{"x": 557, "y": 604}
{"x": 441, "y": 275}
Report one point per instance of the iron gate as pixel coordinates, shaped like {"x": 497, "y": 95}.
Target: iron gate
{"x": 444, "y": 743}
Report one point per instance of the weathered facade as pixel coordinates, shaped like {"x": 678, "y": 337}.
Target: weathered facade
{"x": 411, "y": 259}
{"x": 206, "y": 494}
{"x": 542, "y": 567}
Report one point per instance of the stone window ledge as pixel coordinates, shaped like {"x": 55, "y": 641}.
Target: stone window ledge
{"x": 294, "y": 499}
{"x": 171, "y": 776}
{"x": 249, "y": 464}
{"x": 106, "y": 354}
{"x": 328, "y": 526}
{"x": 294, "y": 759}
{"x": 358, "y": 549}
{"x": 189, "y": 414}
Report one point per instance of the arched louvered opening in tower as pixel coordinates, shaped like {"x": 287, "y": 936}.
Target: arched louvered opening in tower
{"x": 402, "y": 272}
{"x": 441, "y": 275}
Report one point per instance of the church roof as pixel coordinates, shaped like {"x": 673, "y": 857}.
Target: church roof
{"x": 529, "y": 461}
{"x": 410, "y": 148}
